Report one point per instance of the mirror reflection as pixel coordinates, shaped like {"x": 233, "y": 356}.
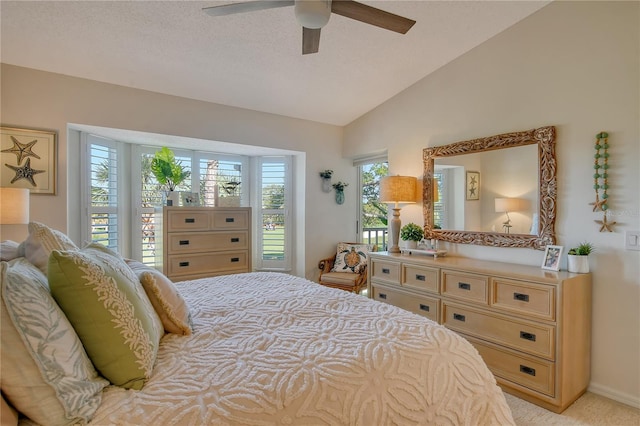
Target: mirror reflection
{"x": 493, "y": 191}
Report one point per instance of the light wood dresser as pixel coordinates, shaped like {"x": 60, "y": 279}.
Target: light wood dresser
{"x": 531, "y": 326}
{"x": 205, "y": 241}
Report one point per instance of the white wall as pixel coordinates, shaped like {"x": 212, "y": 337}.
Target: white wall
{"x": 574, "y": 65}
{"x": 35, "y": 99}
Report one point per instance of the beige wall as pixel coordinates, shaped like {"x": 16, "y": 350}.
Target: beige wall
{"x": 38, "y": 99}
{"x": 574, "y": 65}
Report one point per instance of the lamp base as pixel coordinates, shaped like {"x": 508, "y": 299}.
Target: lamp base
{"x": 395, "y": 231}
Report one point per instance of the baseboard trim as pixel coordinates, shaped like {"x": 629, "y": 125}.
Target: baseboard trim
{"x": 618, "y": 396}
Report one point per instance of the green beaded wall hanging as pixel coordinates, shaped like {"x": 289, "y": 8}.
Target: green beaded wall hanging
{"x": 601, "y": 180}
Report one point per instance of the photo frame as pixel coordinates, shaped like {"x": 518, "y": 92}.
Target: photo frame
{"x": 552, "y": 256}
{"x": 28, "y": 159}
{"x": 190, "y": 199}
{"x": 473, "y": 186}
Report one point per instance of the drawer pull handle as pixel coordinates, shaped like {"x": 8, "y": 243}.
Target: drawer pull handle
{"x": 182, "y": 264}
{"x": 184, "y": 242}
{"x": 235, "y": 259}
{"x": 420, "y": 277}
{"x": 459, "y": 317}
{"x": 385, "y": 270}
{"x": 521, "y": 297}
{"x": 229, "y": 220}
{"x": 464, "y": 286}
{"x": 424, "y": 307}
{"x": 382, "y": 295}
{"x": 527, "y": 370}
{"x": 235, "y": 240}
{"x": 189, "y": 220}
{"x": 528, "y": 336}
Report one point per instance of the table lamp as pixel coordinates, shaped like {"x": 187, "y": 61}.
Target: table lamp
{"x": 14, "y": 208}
{"x": 397, "y": 189}
{"x": 506, "y": 205}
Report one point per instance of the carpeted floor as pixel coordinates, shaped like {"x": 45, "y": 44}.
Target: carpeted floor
{"x": 588, "y": 410}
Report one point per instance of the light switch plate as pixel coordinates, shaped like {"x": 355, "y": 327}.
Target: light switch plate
{"x": 632, "y": 240}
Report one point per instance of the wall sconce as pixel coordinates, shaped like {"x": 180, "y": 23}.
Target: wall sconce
{"x": 397, "y": 189}
{"x": 506, "y": 205}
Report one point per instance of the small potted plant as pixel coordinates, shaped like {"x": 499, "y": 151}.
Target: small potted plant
{"x": 326, "y": 180}
{"x": 169, "y": 172}
{"x": 411, "y": 234}
{"x": 339, "y": 187}
{"x": 578, "y": 260}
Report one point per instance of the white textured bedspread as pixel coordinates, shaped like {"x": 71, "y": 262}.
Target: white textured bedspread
{"x": 273, "y": 349}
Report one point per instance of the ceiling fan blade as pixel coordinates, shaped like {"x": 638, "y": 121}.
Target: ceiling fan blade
{"x": 310, "y": 40}
{"x": 370, "y": 15}
{"x": 247, "y": 6}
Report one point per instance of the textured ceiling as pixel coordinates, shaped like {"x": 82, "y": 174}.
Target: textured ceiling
{"x": 250, "y": 60}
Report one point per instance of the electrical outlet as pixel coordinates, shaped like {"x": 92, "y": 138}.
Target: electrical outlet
{"x": 632, "y": 240}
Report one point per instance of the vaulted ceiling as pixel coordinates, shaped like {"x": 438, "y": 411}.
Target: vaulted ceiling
{"x": 251, "y": 60}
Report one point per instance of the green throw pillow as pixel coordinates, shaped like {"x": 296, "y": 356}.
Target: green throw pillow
{"x": 107, "y": 306}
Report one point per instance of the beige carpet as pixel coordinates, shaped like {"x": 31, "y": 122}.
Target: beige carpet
{"x": 588, "y": 410}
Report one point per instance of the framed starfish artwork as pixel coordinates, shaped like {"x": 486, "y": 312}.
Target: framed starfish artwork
{"x": 28, "y": 159}
{"x": 473, "y": 186}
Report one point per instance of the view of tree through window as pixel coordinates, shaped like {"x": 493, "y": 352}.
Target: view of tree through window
{"x": 374, "y": 213}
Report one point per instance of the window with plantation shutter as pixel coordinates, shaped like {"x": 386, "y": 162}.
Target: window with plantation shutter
{"x": 273, "y": 215}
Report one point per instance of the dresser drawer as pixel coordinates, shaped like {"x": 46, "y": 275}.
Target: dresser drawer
{"x": 188, "y": 220}
{"x": 524, "y": 298}
{"x": 465, "y": 286}
{"x": 421, "y": 305}
{"x": 530, "y": 372}
{"x": 420, "y": 278}
{"x": 534, "y": 338}
{"x": 231, "y": 219}
{"x": 385, "y": 271}
{"x": 191, "y": 264}
{"x": 208, "y": 241}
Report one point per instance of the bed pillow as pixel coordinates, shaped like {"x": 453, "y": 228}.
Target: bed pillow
{"x": 41, "y": 241}
{"x": 165, "y": 298}
{"x": 351, "y": 257}
{"x": 109, "y": 310}
{"x": 46, "y": 373}
{"x": 9, "y": 250}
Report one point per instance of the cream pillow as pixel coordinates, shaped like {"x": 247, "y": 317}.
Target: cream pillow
{"x": 41, "y": 241}
{"x": 9, "y": 250}
{"x": 46, "y": 374}
{"x": 165, "y": 298}
{"x": 109, "y": 310}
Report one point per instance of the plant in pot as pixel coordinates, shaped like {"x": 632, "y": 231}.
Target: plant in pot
{"x": 169, "y": 172}
{"x": 578, "y": 260}
{"x": 326, "y": 180}
{"x": 411, "y": 234}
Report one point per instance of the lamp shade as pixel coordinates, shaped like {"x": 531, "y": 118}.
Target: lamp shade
{"x": 14, "y": 206}
{"x": 507, "y": 205}
{"x": 398, "y": 189}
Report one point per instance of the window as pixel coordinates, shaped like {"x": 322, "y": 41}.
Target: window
{"x": 273, "y": 216}
{"x": 123, "y": 198}
{"x": 372, "y": 220}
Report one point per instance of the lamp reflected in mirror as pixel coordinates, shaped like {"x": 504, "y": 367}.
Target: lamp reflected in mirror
{"x": 506, "y": 205}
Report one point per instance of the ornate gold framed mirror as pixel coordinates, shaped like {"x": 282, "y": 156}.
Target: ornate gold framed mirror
{"x": 476, "y": 219}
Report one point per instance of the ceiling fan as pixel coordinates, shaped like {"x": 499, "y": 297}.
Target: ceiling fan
{"x": 312, "y": 15}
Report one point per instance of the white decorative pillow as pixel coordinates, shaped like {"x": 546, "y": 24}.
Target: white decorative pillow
{"x": 165, "y": 298}
{"x": 46, "y": 374}
{"x": 351, "y": 257}
{"x": 41, "y": 241}
{"x": 9, "y": 250}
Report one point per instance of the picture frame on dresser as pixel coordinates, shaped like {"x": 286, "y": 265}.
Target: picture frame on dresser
{"x": 552, "y": 256}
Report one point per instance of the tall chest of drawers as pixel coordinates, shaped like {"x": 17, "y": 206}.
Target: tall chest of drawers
{"x": 531, "y": 326}
{"x": 205, "y": 241}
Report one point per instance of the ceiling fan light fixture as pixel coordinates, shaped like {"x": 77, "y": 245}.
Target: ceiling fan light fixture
{"x": 312, "y": 14}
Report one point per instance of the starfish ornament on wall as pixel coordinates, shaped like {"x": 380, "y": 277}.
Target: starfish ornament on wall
{"x": 597, "y": 205}
{"x": 604, "y": 224}
{"x": 22, "y": 150}
{"x": 25, "y": 172}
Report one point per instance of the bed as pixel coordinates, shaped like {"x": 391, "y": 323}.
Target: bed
{"x": 275, "y": 349}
